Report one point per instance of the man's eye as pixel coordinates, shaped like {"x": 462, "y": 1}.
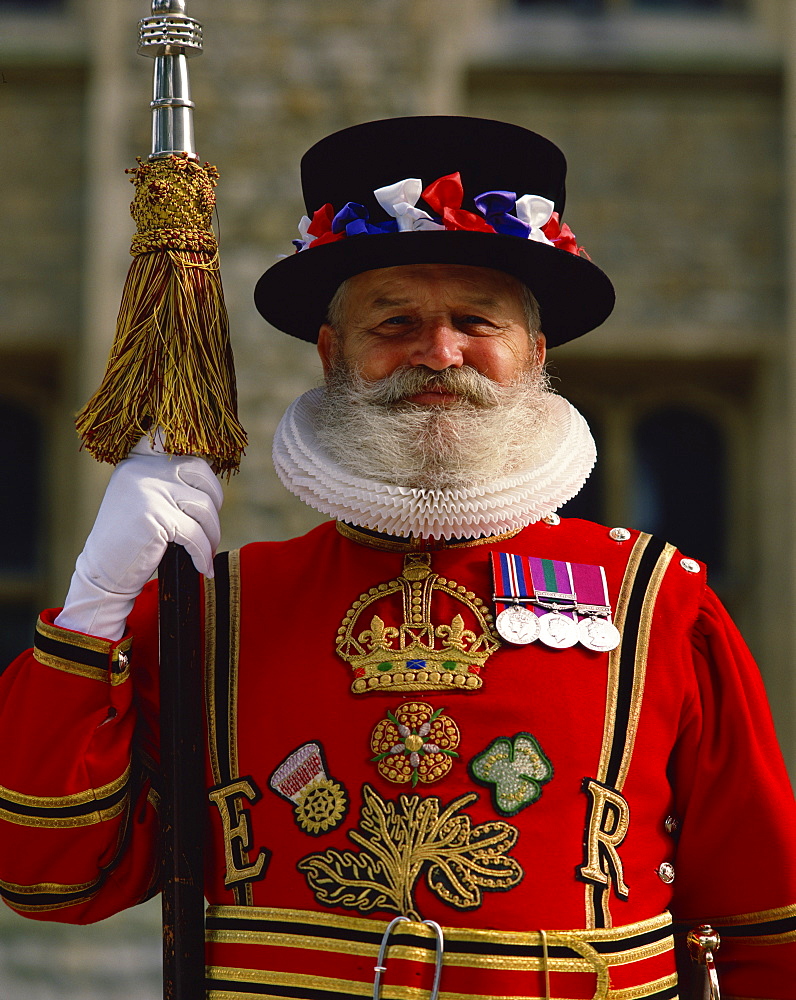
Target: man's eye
{"x": 396, "y": 321}
{"x": 474, "y": 320}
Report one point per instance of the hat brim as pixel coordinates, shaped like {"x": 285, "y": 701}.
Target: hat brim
{"x": 574, "y": 295}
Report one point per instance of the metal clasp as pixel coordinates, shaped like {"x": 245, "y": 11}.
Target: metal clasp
{"x": 703, "y": 942}
{"x": 380, "y": 968}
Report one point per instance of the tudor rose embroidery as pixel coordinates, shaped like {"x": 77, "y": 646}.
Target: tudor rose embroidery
{"x": 415, "y": 743}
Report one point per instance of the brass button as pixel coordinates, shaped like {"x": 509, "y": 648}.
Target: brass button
{"x": 671, "y": 824}
{"x": 690, "y": 565}
{"x": 619, "y": 534}
{"x": 551, "y": 519}
{"x": 666, "y": 872}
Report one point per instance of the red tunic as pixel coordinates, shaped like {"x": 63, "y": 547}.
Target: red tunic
{"x": 375, "y": 750}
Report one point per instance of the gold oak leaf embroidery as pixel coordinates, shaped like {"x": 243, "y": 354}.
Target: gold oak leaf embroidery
{"x": 400, "y": 841}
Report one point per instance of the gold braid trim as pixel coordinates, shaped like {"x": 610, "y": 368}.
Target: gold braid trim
{"x": 173, "y": 239}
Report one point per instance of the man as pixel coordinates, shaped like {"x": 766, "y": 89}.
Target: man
{"x": 454, "y": 741}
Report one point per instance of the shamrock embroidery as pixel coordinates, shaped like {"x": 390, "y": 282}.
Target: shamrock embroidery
{"x": 516, "y": 768}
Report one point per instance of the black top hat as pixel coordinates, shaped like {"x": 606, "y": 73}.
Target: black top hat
{"x": 357, "y": 227}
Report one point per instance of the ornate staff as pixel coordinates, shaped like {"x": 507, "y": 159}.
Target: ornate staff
{"x": 171, "y": 368}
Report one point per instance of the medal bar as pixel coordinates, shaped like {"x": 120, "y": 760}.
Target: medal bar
{"x": 568, "y": 602}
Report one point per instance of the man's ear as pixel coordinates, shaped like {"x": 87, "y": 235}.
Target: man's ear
{"x": 327, "y": 338}
{"x": 540, "y": 348}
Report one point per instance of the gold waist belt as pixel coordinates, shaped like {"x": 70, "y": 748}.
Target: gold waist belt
{"x": 308, "y": 955}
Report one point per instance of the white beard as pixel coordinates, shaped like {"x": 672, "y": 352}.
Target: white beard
{"x": 553, "y": 460}
{"x": 490, "y": 431}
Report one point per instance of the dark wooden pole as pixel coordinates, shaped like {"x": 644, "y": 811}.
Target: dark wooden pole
{"x": 182, "y": 763}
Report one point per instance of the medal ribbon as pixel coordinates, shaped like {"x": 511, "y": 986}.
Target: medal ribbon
{"x": 552, "y": 584}
{"x": 511, "y": 580}
{"x": 575, "y": 587}
{"x": 591, "y": 588}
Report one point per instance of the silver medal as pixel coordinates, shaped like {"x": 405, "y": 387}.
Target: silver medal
{"x": 558, "y": 631}
{"x": 518, "y": 625}
{"x": 599, "y": 634}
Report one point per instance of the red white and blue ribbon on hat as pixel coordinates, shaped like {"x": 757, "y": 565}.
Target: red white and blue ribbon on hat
{"x": 530, "y": 216}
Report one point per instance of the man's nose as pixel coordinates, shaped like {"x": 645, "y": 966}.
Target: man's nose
{"x": 439, "y": 346}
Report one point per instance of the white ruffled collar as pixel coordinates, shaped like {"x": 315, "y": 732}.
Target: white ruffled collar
{"x": 508, "y": 504}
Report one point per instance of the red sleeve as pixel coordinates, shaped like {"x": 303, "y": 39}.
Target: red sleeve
{"x": 736, "y": 855}
{"x": 78, "y": 808}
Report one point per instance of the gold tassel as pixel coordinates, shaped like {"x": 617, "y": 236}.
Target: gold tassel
{"x": 171, "y": 361}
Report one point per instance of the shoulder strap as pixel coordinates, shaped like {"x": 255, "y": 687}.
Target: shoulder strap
{"x": 230, "y": 791}
{"x": 608, "y": 815}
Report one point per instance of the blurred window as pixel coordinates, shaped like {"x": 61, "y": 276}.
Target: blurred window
{"x": 21, "y": 511}
{"x": 674, "y": 458}
{"x": 672, "y": 483}
{"x": 20, "y": 493}
{"x": 679, "y": 482}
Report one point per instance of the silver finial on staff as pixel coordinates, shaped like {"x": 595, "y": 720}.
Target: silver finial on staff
{"x": 170, "y": 38}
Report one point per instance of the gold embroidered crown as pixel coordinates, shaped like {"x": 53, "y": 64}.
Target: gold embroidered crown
{"x": 416, "y": 655}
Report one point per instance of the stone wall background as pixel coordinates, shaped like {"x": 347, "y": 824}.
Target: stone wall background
{"x": 676, "y": 133}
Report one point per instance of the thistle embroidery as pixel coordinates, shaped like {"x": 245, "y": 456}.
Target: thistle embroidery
{"x": 415, "y": 743}
{"x": 320, "y": 802}
{"x": 400, "y": 841}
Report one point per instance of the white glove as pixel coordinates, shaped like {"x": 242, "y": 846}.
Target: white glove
{"x": 152, "y": 499}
